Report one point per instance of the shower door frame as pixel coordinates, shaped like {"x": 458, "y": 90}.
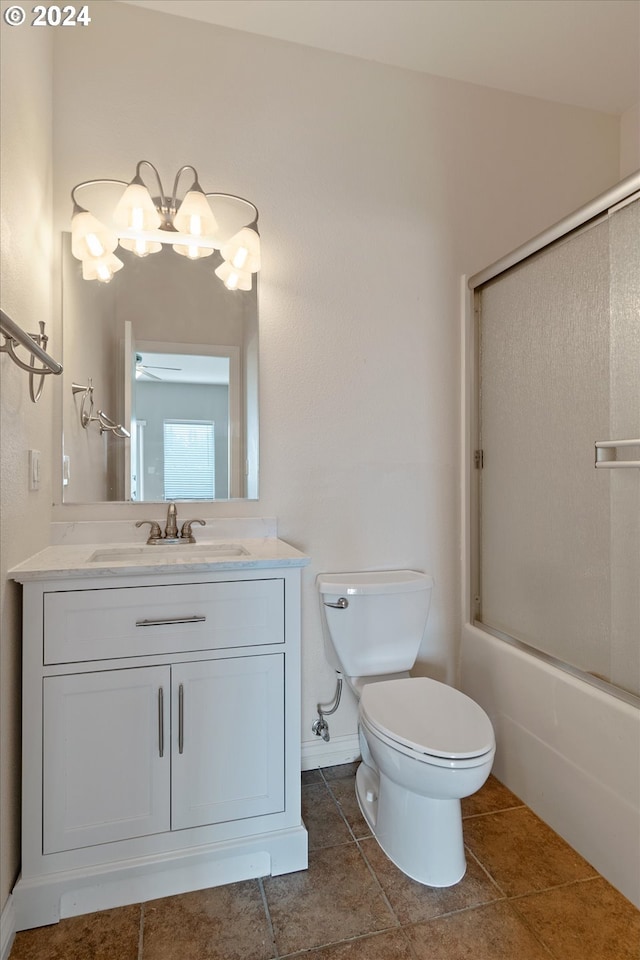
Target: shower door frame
{"x": 623, "y": 193}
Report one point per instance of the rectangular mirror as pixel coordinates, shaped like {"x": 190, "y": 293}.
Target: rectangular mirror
{"x": 168, "y": 353}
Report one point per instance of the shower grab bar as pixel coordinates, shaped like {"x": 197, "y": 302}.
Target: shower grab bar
{"x": 608, "y": 460}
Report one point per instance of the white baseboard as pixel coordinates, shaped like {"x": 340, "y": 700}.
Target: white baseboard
{"x": 7, "y": 928}
{"x": 42, "y": 900}
{"x": 318, "y": 753}
{"x": 315, "y": 753}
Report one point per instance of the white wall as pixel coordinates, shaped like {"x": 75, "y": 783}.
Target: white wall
{"x": 630, "y": 141}
{"x": 26, "y": 297}
{"x": 377, "y": 189}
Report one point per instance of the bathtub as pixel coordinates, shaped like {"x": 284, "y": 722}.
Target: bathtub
{"x": 569, "y": 750}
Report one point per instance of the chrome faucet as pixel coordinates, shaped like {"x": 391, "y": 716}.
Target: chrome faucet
{"x": 171, "y": 534}
{"x": 171, "y": 529}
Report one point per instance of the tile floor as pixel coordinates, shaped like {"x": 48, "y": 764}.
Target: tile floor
{"x": 526, "y": 896}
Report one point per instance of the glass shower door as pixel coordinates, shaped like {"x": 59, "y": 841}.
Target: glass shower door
{"x": 559, "y": 369}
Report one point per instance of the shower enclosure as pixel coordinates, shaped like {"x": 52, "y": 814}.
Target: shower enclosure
{"x": 550, "y": 642}
{"x": 557, "y": 532}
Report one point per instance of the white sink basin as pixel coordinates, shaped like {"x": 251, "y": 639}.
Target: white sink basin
{"x": 167, "y": 551}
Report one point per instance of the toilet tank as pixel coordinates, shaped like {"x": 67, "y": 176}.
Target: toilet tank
{"x": 380, "y": 628}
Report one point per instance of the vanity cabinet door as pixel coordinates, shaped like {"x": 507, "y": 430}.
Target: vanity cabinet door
{"x": 228, "y": 739}
{"x": 106, "y": 758}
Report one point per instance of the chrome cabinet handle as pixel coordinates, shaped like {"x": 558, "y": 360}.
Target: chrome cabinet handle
{"x": 180, "y": 718}
{"x": 161, "y": 721}
{"x": 163, "y": 623}
{"x": 342, "y": 604}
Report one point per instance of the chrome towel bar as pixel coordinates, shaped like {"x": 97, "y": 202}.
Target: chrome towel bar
{"x": 605, "y": 456}
{"x": 34, "y": 343}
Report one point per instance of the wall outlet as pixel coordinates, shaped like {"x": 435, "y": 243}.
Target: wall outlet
{"x": 34, "y": 469}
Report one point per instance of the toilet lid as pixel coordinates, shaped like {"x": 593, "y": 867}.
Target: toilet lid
{"x": 428, "y": 716}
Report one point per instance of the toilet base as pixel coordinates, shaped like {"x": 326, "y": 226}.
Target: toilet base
{"x": 422, "y": 836}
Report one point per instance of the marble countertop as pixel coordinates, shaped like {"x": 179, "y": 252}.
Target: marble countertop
{"x": 128, "y": 559}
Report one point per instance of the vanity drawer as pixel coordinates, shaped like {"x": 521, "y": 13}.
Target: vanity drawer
{"x": 139, "y": 621}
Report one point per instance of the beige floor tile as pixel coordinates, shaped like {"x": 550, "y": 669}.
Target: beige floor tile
{"x": 344, "y": 790}
{"x": 412, "y": 901}
{"x": 336, "y": 898}
{"x": 392, "y": 945}
{"x": 340, "y": 770}
{"x": 493, "y": 932}
{"x": 522, "y": 853}
{"x": 311, "y": 776}
{"x": 221, "y": 923}
{"x": 584, "y": 920}
{"x": 493, "y": 796}
{"x": 107, "y": 935}
{"x": 322, "y": 818}
{"x": 560, "y": 908}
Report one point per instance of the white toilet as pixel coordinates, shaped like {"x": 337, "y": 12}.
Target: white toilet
{"x": 424, "y": 744}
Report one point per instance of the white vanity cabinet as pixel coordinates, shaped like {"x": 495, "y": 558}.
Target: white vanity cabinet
{"x": 161, "y": 735}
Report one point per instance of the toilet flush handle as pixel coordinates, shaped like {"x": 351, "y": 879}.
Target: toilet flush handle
{"x": 342, "y": 604}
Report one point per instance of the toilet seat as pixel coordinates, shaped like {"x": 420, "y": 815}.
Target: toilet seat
{"x": 428, "y": 719}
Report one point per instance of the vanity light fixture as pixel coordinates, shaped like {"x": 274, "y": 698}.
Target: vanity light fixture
{"x": 142, "y": 223}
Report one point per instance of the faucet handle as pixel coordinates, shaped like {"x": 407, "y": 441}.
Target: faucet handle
{"x": 155, "y": 533}
{"x": 187, "y": 533}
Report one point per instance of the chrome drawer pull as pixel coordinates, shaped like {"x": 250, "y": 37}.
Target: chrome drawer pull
{"x": 161, "y": 721}
{"x": 180, "y": 718}
{"x": 163, "y": 623}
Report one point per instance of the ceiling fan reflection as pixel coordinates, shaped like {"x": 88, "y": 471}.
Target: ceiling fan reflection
{"x": 143, "y": 369}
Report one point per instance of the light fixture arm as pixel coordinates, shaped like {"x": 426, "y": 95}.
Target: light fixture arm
{"x": 253, "y": 225}
{"x": 88, "y": 183}
{"x": 195, "y": 186}
{"x": 166, "y": 211}
{"x": 232, "y": 196}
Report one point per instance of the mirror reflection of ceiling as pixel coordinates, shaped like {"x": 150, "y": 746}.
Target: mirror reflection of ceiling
{"x": 494, "y": 43}
{"x": 181, "y": 368}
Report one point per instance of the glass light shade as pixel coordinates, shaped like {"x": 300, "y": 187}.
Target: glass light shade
{"x": 141, "y": 248}
{"x": 233, "y": 279}
{"x": 194, "y": 216}
{"x": 101, "y": 268}
{"x": 90, "y": 238}
{"x": 136, "y": 210}
{"x": 243, "y": 250}
{"x": 192, "y": 250}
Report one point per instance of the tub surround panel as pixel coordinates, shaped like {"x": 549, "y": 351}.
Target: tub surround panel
{"x": 570, "y": 751}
